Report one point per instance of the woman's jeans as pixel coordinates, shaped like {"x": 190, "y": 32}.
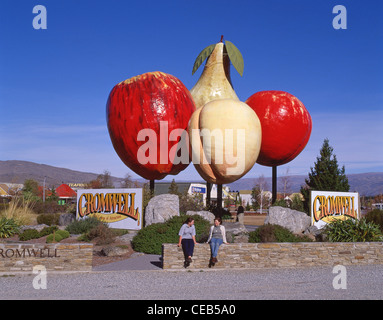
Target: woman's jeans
{"x": 214, "y": 246}
{"x": 187, "y": 247}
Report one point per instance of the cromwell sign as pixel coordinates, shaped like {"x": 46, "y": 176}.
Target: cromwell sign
{"x": 329, "y": 205}
{"x": 120, "y": 208}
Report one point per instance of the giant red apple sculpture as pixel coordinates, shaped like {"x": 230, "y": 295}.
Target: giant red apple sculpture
{"x": 286, "y": 126}
{"x": 141, "y": 114}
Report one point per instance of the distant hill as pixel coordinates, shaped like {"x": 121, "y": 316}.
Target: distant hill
{"x": 16, "y": 171}
{"x": 367, "y": 184}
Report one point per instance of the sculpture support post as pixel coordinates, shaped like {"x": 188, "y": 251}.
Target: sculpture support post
{"x": 219, "y": 199}
{"x": 274, "y": 188}
{"x": 208, "y": 190}
{"x": 152, "y": 188}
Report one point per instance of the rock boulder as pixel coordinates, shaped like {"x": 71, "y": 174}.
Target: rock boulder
{"x": 66, "y": 219}
{"x": 111, "y": 251}
{"x": 296, "y": 221}
{"x": 236, "y": 232}
{"x": 161, "y": 208}
{"x": 204, "y": 214}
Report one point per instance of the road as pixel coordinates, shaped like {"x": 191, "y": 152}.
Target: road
{"x": 363, "y": 282}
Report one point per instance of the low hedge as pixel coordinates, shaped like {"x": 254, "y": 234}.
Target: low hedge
{"x": 150, "y": 239}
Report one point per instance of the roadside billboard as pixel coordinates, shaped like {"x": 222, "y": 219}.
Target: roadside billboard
{"x": 120, "y": 208}
{"x": 329, "y": 205}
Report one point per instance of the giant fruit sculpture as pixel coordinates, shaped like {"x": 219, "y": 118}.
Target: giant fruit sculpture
{"x": 286, "y": 126}
{"x": 225, "y": 133}
{"x": 225, "y": 138}
{"x": 214, "y": 82}
{"x": 143, "y": 111}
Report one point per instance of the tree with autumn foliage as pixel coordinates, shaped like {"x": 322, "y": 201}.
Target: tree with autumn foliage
{"x": 103, "y": 181}
{"x": 326, "y": 175}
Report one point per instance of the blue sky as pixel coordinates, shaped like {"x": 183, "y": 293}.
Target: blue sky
{"x": 54, "y": 83}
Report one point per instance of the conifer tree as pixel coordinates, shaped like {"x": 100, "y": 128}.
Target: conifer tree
{"x": 173, "y": 188}
{"x": 326, "y": 175}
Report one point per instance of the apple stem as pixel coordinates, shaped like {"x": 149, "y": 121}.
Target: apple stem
{"x": 221, "y": 38}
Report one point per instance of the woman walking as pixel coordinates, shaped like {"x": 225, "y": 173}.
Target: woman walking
{"x": 217, "y": 236}
{"x": 187, "y": 240}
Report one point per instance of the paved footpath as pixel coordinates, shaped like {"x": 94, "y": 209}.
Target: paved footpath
{"x": 143, "y": 262}
{"x": 363, "y": 282}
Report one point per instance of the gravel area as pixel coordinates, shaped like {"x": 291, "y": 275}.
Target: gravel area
{"x": 363, "y": 282}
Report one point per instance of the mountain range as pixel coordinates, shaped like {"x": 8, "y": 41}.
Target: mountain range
{"x": 17, "y": 171}
{"x": 366, "y": 184}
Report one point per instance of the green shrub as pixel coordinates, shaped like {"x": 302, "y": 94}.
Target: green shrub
{"x": 57, "y": 236}
{"x": 83, "y": 225}
{"x": 48, "y": 218}
{"x": 151, "y": 238}
{"x": 29, "y": 234}
{"x": 375, "y": 216}
{"x": 8, "y": 227}
{"x": 54, "y": 237}
{"x": 275, "y": 233}
{"x": 226, "y": 217}
{"x": 280, "y": 203}
{"x": 101, "y": 233}
{"x": 63, "y": 233}
{"x": 297, "y": 203}
{"x": 352, "y": 230}
{"x": 47, "y": 230}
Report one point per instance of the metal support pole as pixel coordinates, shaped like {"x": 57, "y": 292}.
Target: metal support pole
{"x": 219, "y": 199}
{"x": 152, "y": 187}
{"x": 274, "y": 188}
{"x": 208, "y": 192}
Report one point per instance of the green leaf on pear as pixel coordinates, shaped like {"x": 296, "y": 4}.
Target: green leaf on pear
{"x": 235, "y": 56}
{"x": 202, "y": 57}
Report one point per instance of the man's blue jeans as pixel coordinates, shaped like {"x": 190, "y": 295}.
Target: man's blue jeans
{"x": 214, "y": 246}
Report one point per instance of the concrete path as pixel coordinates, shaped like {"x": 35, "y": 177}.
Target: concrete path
{"x": 142, "y": 262}
{"x": 362, "y": 282}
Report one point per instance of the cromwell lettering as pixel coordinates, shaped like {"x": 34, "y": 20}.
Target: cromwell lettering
{"x": 103, "y": 203}
{"x": 125, "y": 203}
{"x": 80, "y": 206}
{"x": 37, "y": 253}
{"x": 34, "y": 252}
{"x": 339, "y": 205}
{"x": 111, "y": 202}
{"x": 89, "y": 203}
{"x": 96, "y": 203}
{"x": 20, "y": 254}
{"x": 323, "y": 207}
{"x": 9, "y": 250}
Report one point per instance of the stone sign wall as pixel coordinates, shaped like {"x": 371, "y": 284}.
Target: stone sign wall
{"x": 271, "y": 255}
{"x": 20, "y": 257}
